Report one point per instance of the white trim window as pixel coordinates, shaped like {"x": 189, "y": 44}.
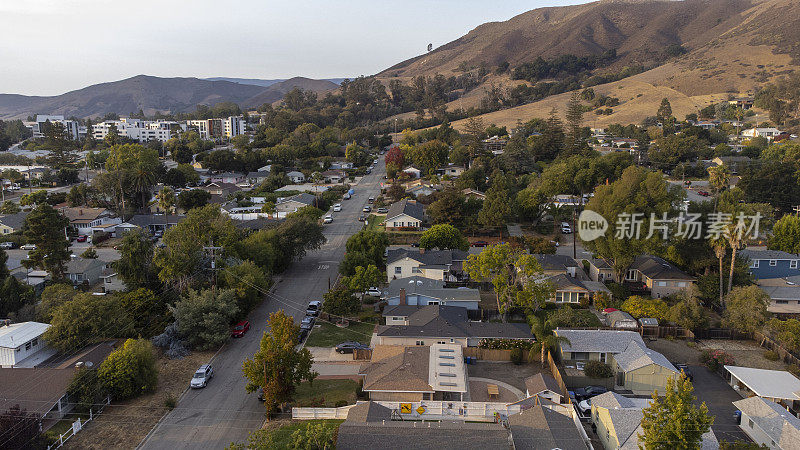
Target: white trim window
{"x": 773, "y": 262}
{"x": 754, "y": 264}
{"x": 793, "y": 264}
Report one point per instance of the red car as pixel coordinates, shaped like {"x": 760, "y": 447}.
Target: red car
{"x": 82, "y": 238}
{"x": 240, "y": 329}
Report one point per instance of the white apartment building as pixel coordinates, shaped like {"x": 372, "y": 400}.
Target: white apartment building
{"x": 216, "y": 129}
{"x": 71, "y": 127}
{"x": 138, "y": 130}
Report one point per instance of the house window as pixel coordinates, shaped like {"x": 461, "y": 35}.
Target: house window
{"x": 398, "y": 270}
{"x": 782, "y": 302}
{"x": 793, "y": 264}
{"x": 661, "y": 283}
{"x": 452, "y": 341}
{"x": 35, "y": 342}
{"x": 631, "y": 275}
{"x": 681, "y": 284}
{"x": 28, "y": 345}
{"x": 397, "y": 318}
{"x": 415, "y": 270}
{"x": 754, "y": 265}
{"x": 433, "y": 302}
{"x": 773, "y": 262}
{"x": 420, "y": 342}
{"x": 441, "y": 342}
{"x": 580, "y": 356}
{"x": 426, "y": 396}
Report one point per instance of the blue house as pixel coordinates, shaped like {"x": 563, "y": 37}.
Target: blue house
{"x": 419, "y": 291}
{"x": 771, "y": 263}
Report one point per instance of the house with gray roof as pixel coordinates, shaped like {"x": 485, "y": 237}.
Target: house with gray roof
{"x": 12, "y": 223}
{"x": 621, "y": 321}
{"x": 768, "y": 423}
{"x": 618, "y": 421}
{"x": 571, "y": 290}
{"x": 784, "y": 296}
{"x": 779, "y": 386}
{"x": 448, "y": 324}
{"x": 560, "y": 264}
{"x": 543, "y": 385}
{"x": 656, "y": 275}
{"x": 543, "y": 428}
{"x": 445, "y": 265}
{"x": 421, "y": 291}
{"x": 406, "y": 215}
{"x": 257, "y": 177}
{"x": 600, "y": 270}
{"x": 288, "y": 205}
{"x": 636, "y": 367}
{"x": 85, "y": 271}
{"x": 296, "y": 177}
{"x": 152, "y": 223}
{"x": 771, "y": 263}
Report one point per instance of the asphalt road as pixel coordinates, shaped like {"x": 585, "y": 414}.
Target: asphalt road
{"x": 223, "y": 412}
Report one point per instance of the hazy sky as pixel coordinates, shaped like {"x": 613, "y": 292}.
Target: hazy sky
{"x": 48, "y": 47}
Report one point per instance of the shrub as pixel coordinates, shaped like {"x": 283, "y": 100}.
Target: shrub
{"x": 170, "y": 401}
{"x": 516, "y": 356}
{"x": 598, "y": 369}
{"x": 130, "y": 370}
{"x": 715, "y": 359}
{"x": 691, "y": 344}
{"x": 505, "y": 344}
{"x": 771, "y": 355}
{"x": 340, "y": 403}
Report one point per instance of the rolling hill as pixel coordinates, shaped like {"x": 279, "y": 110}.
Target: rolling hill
{"x": 731, "y": 47}
{"x": 152, "y": 94}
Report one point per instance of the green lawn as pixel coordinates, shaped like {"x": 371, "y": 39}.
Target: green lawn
{"x": 332, "y": 391}
{"x": 328, "y": 335}
{"x": 283, "y": 436}
{"x": 374, "y": 222}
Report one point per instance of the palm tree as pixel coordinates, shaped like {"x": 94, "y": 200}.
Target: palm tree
{"x": 736, "y": 241}
{"x": 719, "y": 178}
{"x": 546, "y": 341}
{"x": 720, "y": 246}
{"x": 143, "y": 178}
{"x": 166, "y": 201}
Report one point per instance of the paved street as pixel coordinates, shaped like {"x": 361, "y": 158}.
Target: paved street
{"x": 223, "y": 412}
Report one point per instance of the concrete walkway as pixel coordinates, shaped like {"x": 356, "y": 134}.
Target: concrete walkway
{"x": 511, "y": 388}
{"x": 335, "y": 369}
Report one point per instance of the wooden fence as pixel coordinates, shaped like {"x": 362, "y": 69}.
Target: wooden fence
{"x": 491, "y": 354}
{"x": 768, "y": 342}
{"x": 559, "y": 378}
{"x": 362, "y": 354}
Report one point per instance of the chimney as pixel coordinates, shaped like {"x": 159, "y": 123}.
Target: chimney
{"x": 402, "y": 296}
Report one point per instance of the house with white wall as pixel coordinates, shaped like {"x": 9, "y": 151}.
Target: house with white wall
{"x": 21, "y": 344}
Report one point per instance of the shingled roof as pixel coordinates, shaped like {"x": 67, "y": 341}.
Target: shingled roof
{"x": 542, "y": 428}
{"x": 408, "y": 207}
{"x": 658, "y": 268}
{"x": 452, "y": 322}
{"x": 427, "y": 257}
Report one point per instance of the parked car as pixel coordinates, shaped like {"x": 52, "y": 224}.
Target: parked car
{"x": 589, "y": 392}
{"x": 367, "y": 208}
{"x": 686, "y": 370}
{"x": 261, "y": 394}
{"x": 337, "y": 207}
{"x": 202, "y": 376}
{"x": 565, "y": 228}
{"x": 6, "y": 245}
{"x": 373, "y": 291}
{"x": 313, "y": 308}
{"x": 240, "y": 329}
{"x": 82, "y": 238}
{"x": 585, "y": 407}
{"x": 346, "y": 196}
{"x": 328, "y": 219}
{"x": 348, "y": 347}
{"x": 480, "y": 244}
{"x": 703, "y": 193}
{"x": 369, "y": 171}
{"x": 371, "y": 200}
{"x": 307, "y": 323}
{"x": 28, "y": 247}
{"x": 383, "y": 210}
{"x": 362, "y": 218}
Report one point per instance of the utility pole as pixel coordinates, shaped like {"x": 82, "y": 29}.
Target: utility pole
{"x": 796, "y": 210}
{"x": 213, "y": 251}
{"x": 574, "y": 232}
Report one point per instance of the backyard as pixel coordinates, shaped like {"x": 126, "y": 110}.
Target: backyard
{"x": 326, "y": 393}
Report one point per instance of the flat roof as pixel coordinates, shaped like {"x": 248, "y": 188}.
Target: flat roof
{"x": 767, "y": 383}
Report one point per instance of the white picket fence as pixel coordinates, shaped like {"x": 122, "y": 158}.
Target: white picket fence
{"x": 78, "y": 425}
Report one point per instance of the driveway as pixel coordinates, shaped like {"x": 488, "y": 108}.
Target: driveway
{"x": 719, "y": 397}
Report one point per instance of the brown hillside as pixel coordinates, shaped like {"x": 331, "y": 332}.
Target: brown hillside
{"x": 639, "y": 31}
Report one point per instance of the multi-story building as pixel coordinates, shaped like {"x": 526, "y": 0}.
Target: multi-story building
{"x": 138, "y": 130}
{"x": 217, "y": 129}
{"x": 72, "y": 128}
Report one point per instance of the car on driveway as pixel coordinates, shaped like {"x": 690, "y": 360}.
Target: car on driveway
{"x": 313, "y": 308}
{"x": 588, "y": 392}
{"x": 349, "y": 347}
{"x": 202, "y": 376}
{"x": 6, "y": 245}
{"x": 373, "y": 291}
{"x": 383, "y": 210}
{"x": 82, "y": 238}
{"x": 686, "y": 370}
{"x": 585, "y": 407}
{"x": 240, "y": 329}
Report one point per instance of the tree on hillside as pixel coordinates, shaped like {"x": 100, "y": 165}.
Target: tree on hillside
{"x": 443, "y": 237}
{"x": 574, "y": 143}
{"x": 786, "y": 234}
{"x": 45, "y": 227}
{"x": 277, "y": 367}
{"x": 746, "y": 309}
{"x": 719, "y": 178}
{"x": 429, "y": 156}
{"x": 84, "y": 319}
{"x": 674, "y": 421}
{"x": 130, "y": 370}
{"x": 474, "y": 134}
